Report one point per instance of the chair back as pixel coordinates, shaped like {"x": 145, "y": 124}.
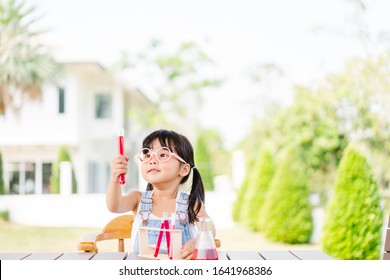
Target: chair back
{"x": 386, "y": 254}
{"x": 118, "y": 228}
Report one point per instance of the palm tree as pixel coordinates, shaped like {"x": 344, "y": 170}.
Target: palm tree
{"x": 24, "y": 64}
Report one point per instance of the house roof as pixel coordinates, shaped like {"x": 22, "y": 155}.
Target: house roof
{"x": 96, "y": 69}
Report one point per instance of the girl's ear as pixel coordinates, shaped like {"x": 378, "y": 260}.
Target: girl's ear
{"x": 185, "y": 170}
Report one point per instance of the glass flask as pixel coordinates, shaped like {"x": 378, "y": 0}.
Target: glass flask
{"x": 205, "y": 246}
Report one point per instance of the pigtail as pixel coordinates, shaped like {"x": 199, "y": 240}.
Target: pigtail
{"x": 197, "y": 196}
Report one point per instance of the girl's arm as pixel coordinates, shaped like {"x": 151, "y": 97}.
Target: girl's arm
{"x": 116, "y": 202}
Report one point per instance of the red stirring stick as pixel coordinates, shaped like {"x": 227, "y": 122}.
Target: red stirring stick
{"x": 164, "y": 225}
{"x": 159, "y": 239}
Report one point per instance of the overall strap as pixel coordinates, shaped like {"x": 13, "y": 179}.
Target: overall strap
{"x": 146, "y": 201}
{"x": 182, "y": 202}
{"x": 182, "y": 208}
{"x": 146, "y": 206}
{"x": 183, "y": 221}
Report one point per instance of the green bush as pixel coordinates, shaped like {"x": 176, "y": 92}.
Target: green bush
{"x": 2, "y": 188}
{"x": 241, "y": 193}
{"x": 354, "y": 218}
{"x": 63, "y": 155}
{"x": 4, "y": 215}
{"x": 258, "y": 186}
{"x": 287, "y": 210}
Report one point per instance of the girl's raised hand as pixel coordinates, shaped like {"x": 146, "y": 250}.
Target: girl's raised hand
{"x": 118, "y": 166}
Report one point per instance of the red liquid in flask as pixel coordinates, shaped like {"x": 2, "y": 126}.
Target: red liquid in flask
{"x": 121, "y": 148}
{"x": 205, "y": 254}
{"x": 205, "y": 246}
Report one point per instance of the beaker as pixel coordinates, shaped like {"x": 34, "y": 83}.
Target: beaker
{"x": 205, "y": 246}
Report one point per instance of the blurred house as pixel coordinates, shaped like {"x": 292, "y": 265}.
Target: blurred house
{"x": 83, "y": 112}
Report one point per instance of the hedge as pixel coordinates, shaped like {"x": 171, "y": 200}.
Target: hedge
{"x": 354, "y": 218}
{"x": 287, "y": 210}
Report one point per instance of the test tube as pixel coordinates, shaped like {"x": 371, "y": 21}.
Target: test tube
{"x": 173, "y": 220}
{"x": 121, "y": 150}
{"x": 167, "y": 233}
{"x": 172, "y": 226}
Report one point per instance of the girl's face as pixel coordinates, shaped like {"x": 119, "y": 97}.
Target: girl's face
{"x": 161, "y": 174}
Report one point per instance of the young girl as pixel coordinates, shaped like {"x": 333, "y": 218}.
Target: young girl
{"x": 174, "y": 186}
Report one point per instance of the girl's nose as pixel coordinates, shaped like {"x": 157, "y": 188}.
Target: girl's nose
{"x": 153, "y": 158}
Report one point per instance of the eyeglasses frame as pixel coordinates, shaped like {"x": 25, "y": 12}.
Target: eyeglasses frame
{"x": 155, "y": 154}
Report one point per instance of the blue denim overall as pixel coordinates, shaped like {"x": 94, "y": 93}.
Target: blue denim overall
{"x": 181, "y": 219}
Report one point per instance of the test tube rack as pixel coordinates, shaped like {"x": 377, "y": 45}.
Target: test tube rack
{"x": 147, "y": 250}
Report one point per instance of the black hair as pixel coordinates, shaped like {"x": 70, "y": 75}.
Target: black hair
{"x": 182, "y": 146}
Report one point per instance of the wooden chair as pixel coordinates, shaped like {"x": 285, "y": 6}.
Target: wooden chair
{"x": 118, "y": 228}
{"x": 386, "y": 254}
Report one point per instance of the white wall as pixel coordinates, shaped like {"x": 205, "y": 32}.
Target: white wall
{"x": 39, "y": 123}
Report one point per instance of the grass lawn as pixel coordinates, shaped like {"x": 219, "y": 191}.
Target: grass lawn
{"x": 21, "y": 238}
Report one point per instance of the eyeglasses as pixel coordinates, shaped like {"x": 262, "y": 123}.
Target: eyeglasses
{"x": 163, "y": 154}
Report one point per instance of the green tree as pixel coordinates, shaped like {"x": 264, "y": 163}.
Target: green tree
{"x": 2, "y": 188}
{"x": 354, "y": 218}
{"x": 63, "y": 155}
{"x": 177, "y": 79}
{"x": 24, "y": 64}
{"x": 219, "y": 156}
{"x": 311, "y": 124}
{"x": 361, "y": 98}
{"x": 203, "y": 163}
{"x": 361, "y": 94}
{"x": 287, "y": 210}
{"x": 258, "y": 186}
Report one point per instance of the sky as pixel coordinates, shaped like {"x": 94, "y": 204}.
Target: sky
{"x": 306, "y": 39}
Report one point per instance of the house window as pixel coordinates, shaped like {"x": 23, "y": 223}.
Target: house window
{"x": 46, "y": 174}
{"x": 61, "y": 100}
{"x": 22, "y": 178}
{"x": 14, "y": 178}
{"x": 102, "y": 106}
{"x": 29, "y": 184}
